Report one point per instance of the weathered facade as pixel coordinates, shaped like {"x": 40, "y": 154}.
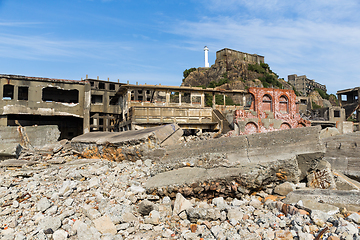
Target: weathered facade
{"x": 88, "y": 105}
{"x": 227, "y": 53}
{"x": 151, "y": 105}
{"x": 349, "y": 100}
{"x": 76, "y": 107}
{"x": 304, "y": 85}
{"x": 267, "y": 110}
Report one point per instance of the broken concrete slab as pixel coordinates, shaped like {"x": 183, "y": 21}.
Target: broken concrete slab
{"x": 248, "y": 161}
{"x": 240, "y": 150}
{"x": 32, "y": 136}
{"x": 338, "y": 198}
{"x": 129, "y": 145}
{"x": 16, "y": 163}
{"x": 222, "y": 181}
{"x": 342, "y": 152}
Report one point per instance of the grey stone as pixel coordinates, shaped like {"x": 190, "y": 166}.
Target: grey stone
{"x": 43, "y": 204}
{"x": 145, "y": 207}
{"x": 60, "y": 235}
{"x": 181, "y": 204}
{"x": 284, "y": 188}
{"x": 50, "y": 222}
{"x": 355, "y": 217}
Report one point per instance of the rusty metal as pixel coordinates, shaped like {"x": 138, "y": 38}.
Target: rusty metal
{"x": 23, "y": 197}
{"x": 321, "y": 233}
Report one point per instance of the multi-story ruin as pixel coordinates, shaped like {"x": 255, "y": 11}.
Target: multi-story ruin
{"x": 304, "y": 85}
{"x": 78, "y": 107}
{"x": 349, "y": 100}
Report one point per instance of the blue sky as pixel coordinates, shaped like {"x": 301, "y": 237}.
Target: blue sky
{"x": 149, "y": 41}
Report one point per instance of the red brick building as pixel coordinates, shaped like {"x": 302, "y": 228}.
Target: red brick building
{"x": 267, "y": 110}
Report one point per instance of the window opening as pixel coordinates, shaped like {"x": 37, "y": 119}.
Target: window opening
{"x": 174, "y": 97}
{"x": 52, "y": 94}
{"x": 23, "y": 93}
{"x": 185, "y": 97}
{"x": 8, "y": 92}
{"x": 267, "y": 103}
{"x": 96, "y": 99}
{"x": 336, "y": 113}
{"x": 112, "y": 86}
{"x": 101, "y": 85}
{"x": 283, "y": 104}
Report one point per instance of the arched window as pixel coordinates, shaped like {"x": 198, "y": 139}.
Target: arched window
{"x": 284, "y": 104}
{"x": 267, "y": 103}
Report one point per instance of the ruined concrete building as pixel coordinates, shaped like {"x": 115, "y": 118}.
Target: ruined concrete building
{"x": 304, "y": 85}
{"x": 78, "y": 107}
{"x": 227, "y": 53}
{"x": 349, "y": 100}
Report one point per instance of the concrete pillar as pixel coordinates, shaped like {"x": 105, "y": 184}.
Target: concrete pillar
{"x": 203, "y": 99}
{"x": 224, "y": 99}
{"x": 213, "y": 101}
{"x": 87, "y": 106}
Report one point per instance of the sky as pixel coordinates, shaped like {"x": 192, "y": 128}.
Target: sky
{"x": 153, "y": 42}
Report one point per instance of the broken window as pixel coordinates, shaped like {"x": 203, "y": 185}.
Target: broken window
{"x": 112, "y": 86}
{"x": 96, "y": 99}
{"x": 336, "y": 113}
{"x": 283, "y": 104}
{"x": 23, "y": 93}
{"x": 267, "y": 103}
{"x": 160, "y": 96}
{"x": 344, "y": 98}
{"x": 92, "y": 84}
{"x": 139, "y": 91}
{"x": 174, "y": 97}
{"x": 148, "y": 91}
{"x": 53, "y": 94}
{"x": 140, "y": 98}
{"x": 196, "y": 99}
{"x": 8, "y": 92}
{"x": 101, "y": 85}
{"x": 113, "y": 100}
{"x": 185, "y": 97}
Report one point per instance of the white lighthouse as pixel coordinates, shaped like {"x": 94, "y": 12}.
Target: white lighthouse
{"x": 206, "y": 56}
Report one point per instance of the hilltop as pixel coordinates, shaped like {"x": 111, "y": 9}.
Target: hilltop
{"x": 233, "y": 72}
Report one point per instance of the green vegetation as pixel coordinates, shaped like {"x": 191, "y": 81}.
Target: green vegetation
{"x": 187, "y": 72}
{"x": 270, "y": 79}
{"x": 296, "y": 92}
{"x": 322, "y": 93}
{"x": 222, "y": 81}
{"x": 219, "y": 100}
{"x": 315, "y": 106}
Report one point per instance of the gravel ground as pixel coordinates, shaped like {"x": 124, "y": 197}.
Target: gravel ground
{"x": 99, "y": 199}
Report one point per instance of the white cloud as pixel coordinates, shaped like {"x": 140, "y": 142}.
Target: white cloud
{"x": 323, "y": 50}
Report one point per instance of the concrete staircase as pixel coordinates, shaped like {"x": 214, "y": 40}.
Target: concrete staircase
{"x": 225, "y": 126}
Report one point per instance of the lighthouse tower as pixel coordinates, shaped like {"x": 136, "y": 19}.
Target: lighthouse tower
{"x": 206, "y": 56}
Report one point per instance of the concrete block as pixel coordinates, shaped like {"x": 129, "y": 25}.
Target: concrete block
{"x": 128, "y": 145}
{"x": 12, "y": 138}
{"x": 339, "y": 198}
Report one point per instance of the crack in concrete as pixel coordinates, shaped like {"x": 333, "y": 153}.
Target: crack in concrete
{"x": 247, "y": 149}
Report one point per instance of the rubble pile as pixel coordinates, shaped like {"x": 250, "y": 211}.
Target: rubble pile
{"x": 100, "y": 199}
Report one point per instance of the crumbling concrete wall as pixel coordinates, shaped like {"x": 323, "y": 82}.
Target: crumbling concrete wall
{"x": 36, "y": 136}
{"x": 342, "y": 152}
